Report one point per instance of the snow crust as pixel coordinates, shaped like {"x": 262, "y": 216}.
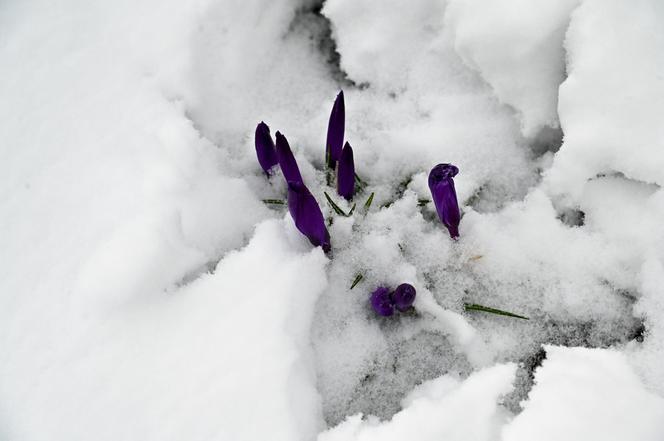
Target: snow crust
{"x": 147, "y": 292}
{"x": 587, "y": 394}
{"x": 445, "y": 408}
{"x": 612, "y": 98}
{"x": 517, "y": 47}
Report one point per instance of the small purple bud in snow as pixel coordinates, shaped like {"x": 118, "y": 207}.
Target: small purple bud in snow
{"x": 403, "y": 297}
{"x": 444, "y": 196}
{"x": 286, "y": 160}
{"x": 267, "y": 155}
{"x": 335, "y": 130}
{"x": 381, "y": 302}
{"x": 306, "y": 213}
{"x": 346, "y": 173}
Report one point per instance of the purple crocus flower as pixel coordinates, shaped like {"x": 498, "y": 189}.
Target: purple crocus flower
{"x": 346, "y": 173}
{"x": 287, "y": 161}
{"x": 403, "y": 297}
{"x": 267, "y": 155}
{"x": 306, "y": 213}
{"x": 441, "y": 184}
{"x": 335, "y": 130}
{"x": 381, "y": 302}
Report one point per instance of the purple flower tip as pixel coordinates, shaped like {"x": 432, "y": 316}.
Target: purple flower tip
{"x": 403, "y": 297}
{"x": 444, "y": 196}
{"x": 381, "y": 302}
{"x": 346, "y": 173}
{"x": 286, "y": 160}
{"x": 306, "y": 213}
{"x": 267, "y": 156}
{"x": 335, "y": 130}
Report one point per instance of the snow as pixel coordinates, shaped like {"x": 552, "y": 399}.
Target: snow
{"x": 516, "y": 46}
{"x": 587, "y": 394}
{"x": 612, "y": 98}
{"x": 147, "y": 292}
{"x": 445, "y": 408}
{"x": 108, "y": 369}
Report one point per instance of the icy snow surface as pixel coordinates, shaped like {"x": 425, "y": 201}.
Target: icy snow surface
{"x": 147, "y": 292}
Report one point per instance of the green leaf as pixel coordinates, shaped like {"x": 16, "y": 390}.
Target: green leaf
{"x": 357, "y": 280}
{"x": 476, "y": 307}
{"x": 274, "y": 201}
{"x": 360, "y": 181}
{"x": 367, "y": 204}
{"x": 352, "y": 209}
{"x": 334, "y": 206}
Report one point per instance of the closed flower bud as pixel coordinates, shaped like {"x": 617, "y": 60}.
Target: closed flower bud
{"x": 287, "y": 161}
{"x": 335, "y": 130}
{"x": 307, "y": 216}
{"x": 265, "y": 151}
{"x": 381, "y": 302}
{"x": 403, "y": 297}
{"x": 346, "y": 173}
{"x": 444, "y": 196}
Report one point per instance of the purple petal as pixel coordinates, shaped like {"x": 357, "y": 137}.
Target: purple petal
{"x": 335, "y": 130}
{"x": 306, "y": 213}
{"x": 381, "y": 302}
{"x": 287, "y": 161}
{"x": 403, "y": 297}
{"x": 267, "y": 156}
{"x": 444, "y": 196}
{"x": 346, "y": 173}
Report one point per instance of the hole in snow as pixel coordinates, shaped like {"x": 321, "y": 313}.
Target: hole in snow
{"x": 549, "y": 139}
{"x": 572, "y": 217}
{"x": 310, "y": 21}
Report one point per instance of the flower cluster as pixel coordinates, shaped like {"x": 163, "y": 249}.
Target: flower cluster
{"x": 302, "y": 205}
{"x": 385, "y": 302}
{"x": 306, "y": 212}
{"x": 340, "y": 155}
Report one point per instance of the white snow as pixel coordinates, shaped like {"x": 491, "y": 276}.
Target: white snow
{"x": 611, "y": 102}
{"x": 516, "y": 45}
{"x": 150, "y": 368}
{"x": 445, "y": 408}
{"x": 588, "y": 394}
{"x": 147, "y": 293}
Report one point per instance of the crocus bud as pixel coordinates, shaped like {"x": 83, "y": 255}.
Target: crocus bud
{"x": 306, "y": 213}
{"x": 267, "y": 155}
{"x": 335, "y": 130}
{"x": 403, "y": 297}
{"x": 287, "y": 161}
{"x": 346, "y": 173}
{"x": 381, "y": 302}
{"x": 444, "y": 196}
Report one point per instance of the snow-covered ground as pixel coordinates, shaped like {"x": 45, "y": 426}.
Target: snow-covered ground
{"x": 148, "y": 293}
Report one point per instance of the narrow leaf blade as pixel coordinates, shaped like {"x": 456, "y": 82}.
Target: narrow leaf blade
{"x": 482, "y": 308}
{"x": 357, "y": 280}
{"x": 367, "y": 204}
{"x": 274, "y": 201}
{"x": 334, "y": 206}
